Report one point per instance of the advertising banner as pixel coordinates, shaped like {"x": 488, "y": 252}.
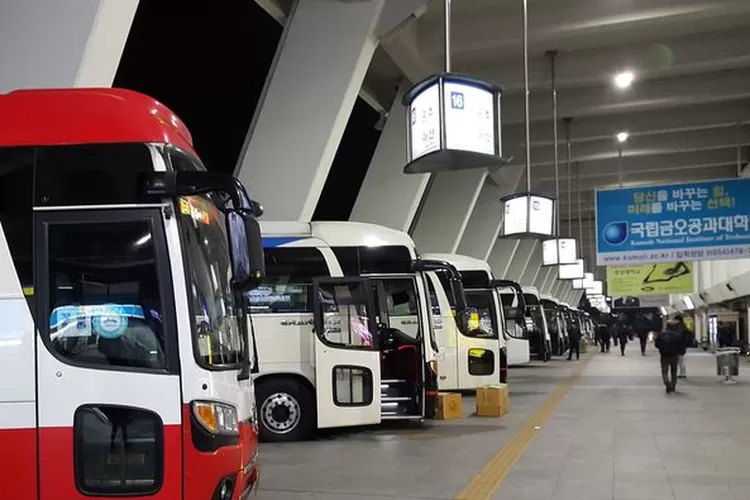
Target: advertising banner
{"x": 650, "y": 279}
{"x": 670, "y": 223}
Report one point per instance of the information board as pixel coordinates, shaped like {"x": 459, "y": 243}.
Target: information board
{"x": 571, "y": 271}
{"x": 669, "y": 223}
{"x": 469, "y": 118}
{"x": 425, "y": 122}
{"x": 650, "y": 279}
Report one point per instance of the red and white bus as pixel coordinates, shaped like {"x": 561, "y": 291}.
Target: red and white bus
{"x": 125, "y": 354}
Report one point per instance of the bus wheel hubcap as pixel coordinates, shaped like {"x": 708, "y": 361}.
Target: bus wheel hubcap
{"x": 280, "y": 412}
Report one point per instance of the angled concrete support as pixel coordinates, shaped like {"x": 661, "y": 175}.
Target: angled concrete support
{"x": 501, "y": 257}
{"x": 388, "y": 196}
{"x": 549, "y": 282}
{"x": 533, "y": 264}
{"x": 76, "y": 43}
{"x": 321, "y": 62}
{"x": 445, "y": 212}
{"x": 520, "y": 260}
{"x": 485, "y": 222}
{"x": 542, "y": 276}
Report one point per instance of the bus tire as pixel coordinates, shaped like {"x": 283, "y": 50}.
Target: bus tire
{"x": 286, "y": 409}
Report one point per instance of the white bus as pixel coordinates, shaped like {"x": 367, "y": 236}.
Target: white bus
{"x": 344, "y": 328}
{"x": 554, "y": 312}
{"x": 467, "y": 362}
{"x": 540, "y": 343}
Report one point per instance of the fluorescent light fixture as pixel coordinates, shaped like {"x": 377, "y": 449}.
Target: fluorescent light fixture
{"x": 688, "y": 302}
{"x": 624, "y": 79}
{"x": 622, "y": 137}
{"x": 663, "y": 311}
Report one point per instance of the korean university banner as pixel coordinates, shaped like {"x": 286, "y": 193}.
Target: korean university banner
{"x": 671, "y": 223}
{"x": 650, "y": 279}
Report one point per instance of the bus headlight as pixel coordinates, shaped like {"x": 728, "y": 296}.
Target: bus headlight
{"x": 217, "y": 418}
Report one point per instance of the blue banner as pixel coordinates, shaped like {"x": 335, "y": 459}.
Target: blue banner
{"x": 671, "y": 223}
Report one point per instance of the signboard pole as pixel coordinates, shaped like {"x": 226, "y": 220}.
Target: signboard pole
{"x": 526, "y": 110}
{"x": 570, "y": 177}
{"x": 552, "y": 54}
{"x": 447, "y": 15}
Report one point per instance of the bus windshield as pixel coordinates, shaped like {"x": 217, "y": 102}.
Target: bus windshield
{"x": 483, "y": 301}
{"x": 218, "y": 339}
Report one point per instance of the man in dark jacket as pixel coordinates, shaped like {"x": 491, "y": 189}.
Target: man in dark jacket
{"x": 574, "y": 336}
{"x": 669, "y": 343}
{"x": 642, "y": 329}
{"x": 602, "y": 333}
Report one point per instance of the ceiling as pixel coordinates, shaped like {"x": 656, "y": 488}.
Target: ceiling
{"x": 687, "y": 112}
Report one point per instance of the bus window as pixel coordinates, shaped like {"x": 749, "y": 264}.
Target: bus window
{"x": 104, "y": 300}
{"x": 288, "y": 284}
{"x": 483, "y": 301}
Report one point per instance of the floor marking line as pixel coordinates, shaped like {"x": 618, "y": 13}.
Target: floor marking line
{"x": 484, "y": 484}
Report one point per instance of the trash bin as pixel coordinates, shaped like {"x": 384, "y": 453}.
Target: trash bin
{"x": 728, "y": 362}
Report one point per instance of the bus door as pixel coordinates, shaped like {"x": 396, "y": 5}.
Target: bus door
{"x": 109, "y": 403}
{"x": 446, "y": 333}
{"x": 347, "y": 352}
{"x": 478, "y": 354}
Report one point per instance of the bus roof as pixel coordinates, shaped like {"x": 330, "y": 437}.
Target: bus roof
{"x": 53, "y": 117}
{"x": 461, "y": 262}
{"x": 336, "y": 234}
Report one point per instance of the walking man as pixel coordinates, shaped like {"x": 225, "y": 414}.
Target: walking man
{"x": 574, "y": 336}
{"x": 669, "y": 343}
{"x": 642, "y": 330}
{"x": 686, "y": 339}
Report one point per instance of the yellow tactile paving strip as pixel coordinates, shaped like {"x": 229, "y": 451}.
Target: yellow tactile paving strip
{"x": 484, "y": 484}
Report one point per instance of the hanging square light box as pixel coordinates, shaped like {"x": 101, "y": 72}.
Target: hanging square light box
{"x": 596, "y": 288}
{"x": 559, "y": 251}
{"x": 578, "y": 284}
{"x": 528, "y": 215}
{"x": 588, "y": 281}
{"x": 572, "y": 272}
{"x": 453, "y": 123}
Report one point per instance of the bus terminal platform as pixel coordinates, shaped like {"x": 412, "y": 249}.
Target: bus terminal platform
{"x": 595, "y": 429}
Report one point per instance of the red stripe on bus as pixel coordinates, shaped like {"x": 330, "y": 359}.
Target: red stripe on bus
{"x": 18, "y": 463}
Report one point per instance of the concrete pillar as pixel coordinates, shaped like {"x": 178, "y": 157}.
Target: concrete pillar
{"x": 320, "y": 65}
{"x": 388, "y": 196}
{"x": 532, "y": 265}
{"x": 541, "y": 277}
{"x": 501, "y": 257}
{"x": 75, "y": 43}
{"x": 485, "y": 222}
{"x": 445, "y": 211}
{"x": 520, "y": 259}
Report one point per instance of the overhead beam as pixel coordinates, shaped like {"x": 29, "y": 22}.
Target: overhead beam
{"x": 494, "y": 28}
{"x": 645, "y": 145}
{"x": 649, "y": 122}
{"x": 670, "y": 57}
{"x": 723, "y": 86}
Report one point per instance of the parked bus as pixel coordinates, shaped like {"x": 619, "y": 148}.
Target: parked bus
{"x": 124, "y": 348}
{"x": 554, "y": 313}
{"x": 518, "y": 321}
{"x": 345, "y": 328}
{"x": 540, "y": 343}
{"x": 467, "y": 362}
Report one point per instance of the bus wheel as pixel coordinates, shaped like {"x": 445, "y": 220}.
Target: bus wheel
{"x": 286, "y": 410}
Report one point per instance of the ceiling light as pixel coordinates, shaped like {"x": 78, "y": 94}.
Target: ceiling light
{"x": 622, "y": 137}
{"x": 624, "y": 80}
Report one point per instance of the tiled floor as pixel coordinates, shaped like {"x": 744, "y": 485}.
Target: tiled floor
{"x": 616, "y": 435}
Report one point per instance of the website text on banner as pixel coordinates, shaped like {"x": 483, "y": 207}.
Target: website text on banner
{"x": 670, "y": 223}
{"x": 650, "y": 279}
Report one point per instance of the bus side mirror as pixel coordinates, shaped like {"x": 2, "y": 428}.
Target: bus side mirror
{"x": 245, "y": 249}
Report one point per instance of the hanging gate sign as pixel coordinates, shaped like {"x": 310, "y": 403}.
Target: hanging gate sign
{"x": 650, "y": 279}
{"x": 453, "y": 124}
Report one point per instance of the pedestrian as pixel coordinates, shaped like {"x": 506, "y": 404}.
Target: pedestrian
{"x": 669, "y": 343}
{"x": 622, "y": 334}
{"x": 574, "y": 336}
{"x": 602, "y": 333}
{"x": 642, "y": 330}
{"x": 686, "y": 339}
